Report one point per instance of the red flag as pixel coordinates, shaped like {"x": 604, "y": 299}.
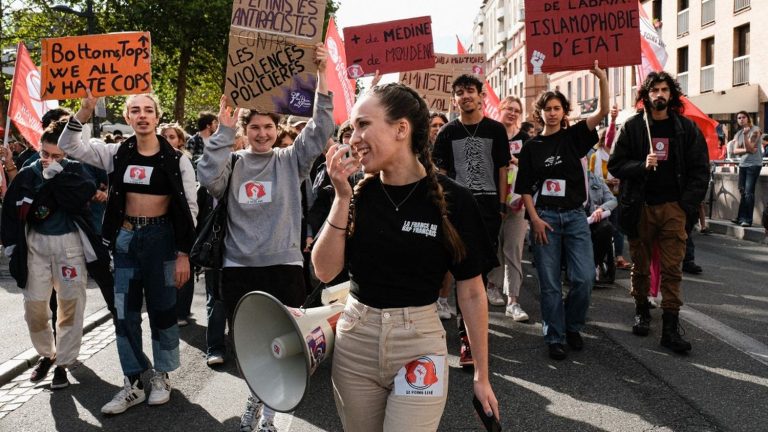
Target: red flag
{"x": 491, "y": 101}
{"x": 336, "y": 74}
{"x": 651, "y": 49}
{"x": 26, "y": 107}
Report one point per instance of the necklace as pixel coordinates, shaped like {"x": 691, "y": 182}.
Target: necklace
{"x": 397, "y": 206}
{"x": 471, "y": 138}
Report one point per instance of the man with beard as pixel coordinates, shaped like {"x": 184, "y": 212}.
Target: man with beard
{"x": 662, "y": 183}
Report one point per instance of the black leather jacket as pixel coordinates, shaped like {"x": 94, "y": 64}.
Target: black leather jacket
{"x": 627, "y": 163}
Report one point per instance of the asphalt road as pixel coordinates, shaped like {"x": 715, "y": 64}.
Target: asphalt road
{"x": 618, "y": 383}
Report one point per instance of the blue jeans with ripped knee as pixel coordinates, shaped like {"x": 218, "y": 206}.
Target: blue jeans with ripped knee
{"x": 145, "y": 264}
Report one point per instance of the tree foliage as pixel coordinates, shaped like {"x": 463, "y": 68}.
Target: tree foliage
{"x": 189, "y": 44}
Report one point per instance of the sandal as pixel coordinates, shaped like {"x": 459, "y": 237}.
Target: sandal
{"x": 622, "y": 264}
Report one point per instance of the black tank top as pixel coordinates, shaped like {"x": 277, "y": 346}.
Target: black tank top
{"x": 144, "y": 175}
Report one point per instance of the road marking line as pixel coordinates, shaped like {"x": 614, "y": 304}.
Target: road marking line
{"x": 749, "y": 346}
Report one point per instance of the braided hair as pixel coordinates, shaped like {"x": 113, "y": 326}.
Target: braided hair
{"x": 400, "y": 101}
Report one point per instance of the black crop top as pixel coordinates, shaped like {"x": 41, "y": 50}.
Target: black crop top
{"x": 144, "y": 175}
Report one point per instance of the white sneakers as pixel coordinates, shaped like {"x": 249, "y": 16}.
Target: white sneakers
{"x": 160, "y": 392}
{"x": 251, "y": 415}
{"x": 495, "y": 296}
{"x": 443, "y": 309}
{"x": 129, "y": 396}
{"x": 515, "y": 312}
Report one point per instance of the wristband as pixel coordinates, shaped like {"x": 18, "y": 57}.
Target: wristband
{"x": 334, "y": 226}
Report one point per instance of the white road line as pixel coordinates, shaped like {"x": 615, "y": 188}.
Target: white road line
{"x": 749, "y": 346}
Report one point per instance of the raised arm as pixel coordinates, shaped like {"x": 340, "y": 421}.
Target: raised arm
{"x": 93, "y": 152}
{"x": 597, "y": 117}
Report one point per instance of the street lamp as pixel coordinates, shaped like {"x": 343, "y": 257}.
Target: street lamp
{"x": 90, "y": 16}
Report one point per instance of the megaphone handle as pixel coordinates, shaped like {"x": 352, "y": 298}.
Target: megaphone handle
{"x": 313, "y": 296}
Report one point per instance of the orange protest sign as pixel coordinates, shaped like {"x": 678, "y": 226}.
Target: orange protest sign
{"x": 108, "y": 64}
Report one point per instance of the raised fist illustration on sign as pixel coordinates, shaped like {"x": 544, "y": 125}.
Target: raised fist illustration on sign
{"x": 537, "y": 60}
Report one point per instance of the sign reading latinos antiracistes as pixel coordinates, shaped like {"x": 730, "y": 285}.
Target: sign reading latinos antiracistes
{"x": 270, "y": 64}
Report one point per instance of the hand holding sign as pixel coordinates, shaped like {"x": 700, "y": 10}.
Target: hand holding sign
{"x": 87, "y": 105}
{"x": 227, "y": 116}
{"x": 321, "y": 57}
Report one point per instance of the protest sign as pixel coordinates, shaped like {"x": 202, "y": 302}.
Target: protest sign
{"x": 343, "y": 88}
{"x": 434, "y": 84}
{"x": 270, "y": 66}
{"x": 571, "y": 34}
{"x": 107, "y": 64}
{"x": 392, "y": 46}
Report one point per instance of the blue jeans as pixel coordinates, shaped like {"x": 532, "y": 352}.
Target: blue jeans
{"x": 571, "y": 239}
{"x": 145, "y": 264}
{"x": 217, "y": 314}
{"x": 747, "y": 181}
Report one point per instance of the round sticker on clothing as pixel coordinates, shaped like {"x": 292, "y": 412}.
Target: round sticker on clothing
{"x": 421, "y": 377}
{"x": 554, "y": 188}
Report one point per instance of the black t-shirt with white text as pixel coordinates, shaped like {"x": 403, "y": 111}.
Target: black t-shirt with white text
{"x": 551, "y": 165}
{"x": 399, "y": 258}
{"x": 473, "y": 154}
{"x": 660, "y": 184}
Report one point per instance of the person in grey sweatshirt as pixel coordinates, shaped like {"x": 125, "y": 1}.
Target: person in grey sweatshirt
{"x": 262, "y": 248}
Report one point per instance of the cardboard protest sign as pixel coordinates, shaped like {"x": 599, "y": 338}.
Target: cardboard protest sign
{"x": 572, "y": 34}
{"x": 107, "y": 64}
{"x": 270, "y": 64}
{"x": 392, "y": 46}
{"x": 435, "y": 84}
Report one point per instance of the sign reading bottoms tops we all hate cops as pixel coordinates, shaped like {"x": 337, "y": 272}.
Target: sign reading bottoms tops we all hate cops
{"x": 107, "y": 64}
{"x": 270, "y": 64}
{"x": 571, "y": 34}
{"x": 392, "y": 46}
{"x": 434, "y": 84}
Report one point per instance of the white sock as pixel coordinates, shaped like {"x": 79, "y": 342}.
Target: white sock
{"x": 442, "y": 299}
{"x": 267, "y": 413}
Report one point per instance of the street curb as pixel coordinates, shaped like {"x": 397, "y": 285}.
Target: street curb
{"x": 20, "y": 363}
{"x": 751, "y": 234}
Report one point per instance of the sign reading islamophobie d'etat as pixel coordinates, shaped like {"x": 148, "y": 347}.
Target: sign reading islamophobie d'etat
{"x": 571, "y": 34}
{"x": 434, "y": 84}
{"x": 107, "y": 64}
{"x": 392, "y": 46}
{"x": 270, "y": 66}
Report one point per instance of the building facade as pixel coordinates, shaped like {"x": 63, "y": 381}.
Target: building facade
{"x": 708, "y": 43}
{"x": 499, "y": 33}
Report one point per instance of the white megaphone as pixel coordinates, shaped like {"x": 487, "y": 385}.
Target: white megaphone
{"x": 278, "y": 348}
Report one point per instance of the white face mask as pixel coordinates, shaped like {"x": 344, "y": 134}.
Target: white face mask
{"x": 53, "y": 169}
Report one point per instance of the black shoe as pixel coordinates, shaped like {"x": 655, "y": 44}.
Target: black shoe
{"x": 672, "y": 334}
{"x": 41, "y": 369}
{"x": 642, "y": 324}
{"x": 736, "y": 221}
{"x": 556, "y": 351}
{"x": 60, "y": 379}
{"x": 574, "y": 340}
{"x": 692, "y": 268}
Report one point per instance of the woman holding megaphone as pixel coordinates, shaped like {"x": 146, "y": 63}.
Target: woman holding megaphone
{"x": 399, "y": 231}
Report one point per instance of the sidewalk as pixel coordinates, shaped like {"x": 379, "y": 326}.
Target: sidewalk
{"x": 755, "y": 233}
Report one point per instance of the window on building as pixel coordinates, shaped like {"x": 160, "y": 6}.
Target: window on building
{"x": 707, "y": 51}
{"x": 682, "y": 5}
{"x": 741, "y": 41}
{"x": 570, "y": 91}
{"x": 657, "y": 9}
{"x": 682, "y": 59}
{"x": 578, "y": 89}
